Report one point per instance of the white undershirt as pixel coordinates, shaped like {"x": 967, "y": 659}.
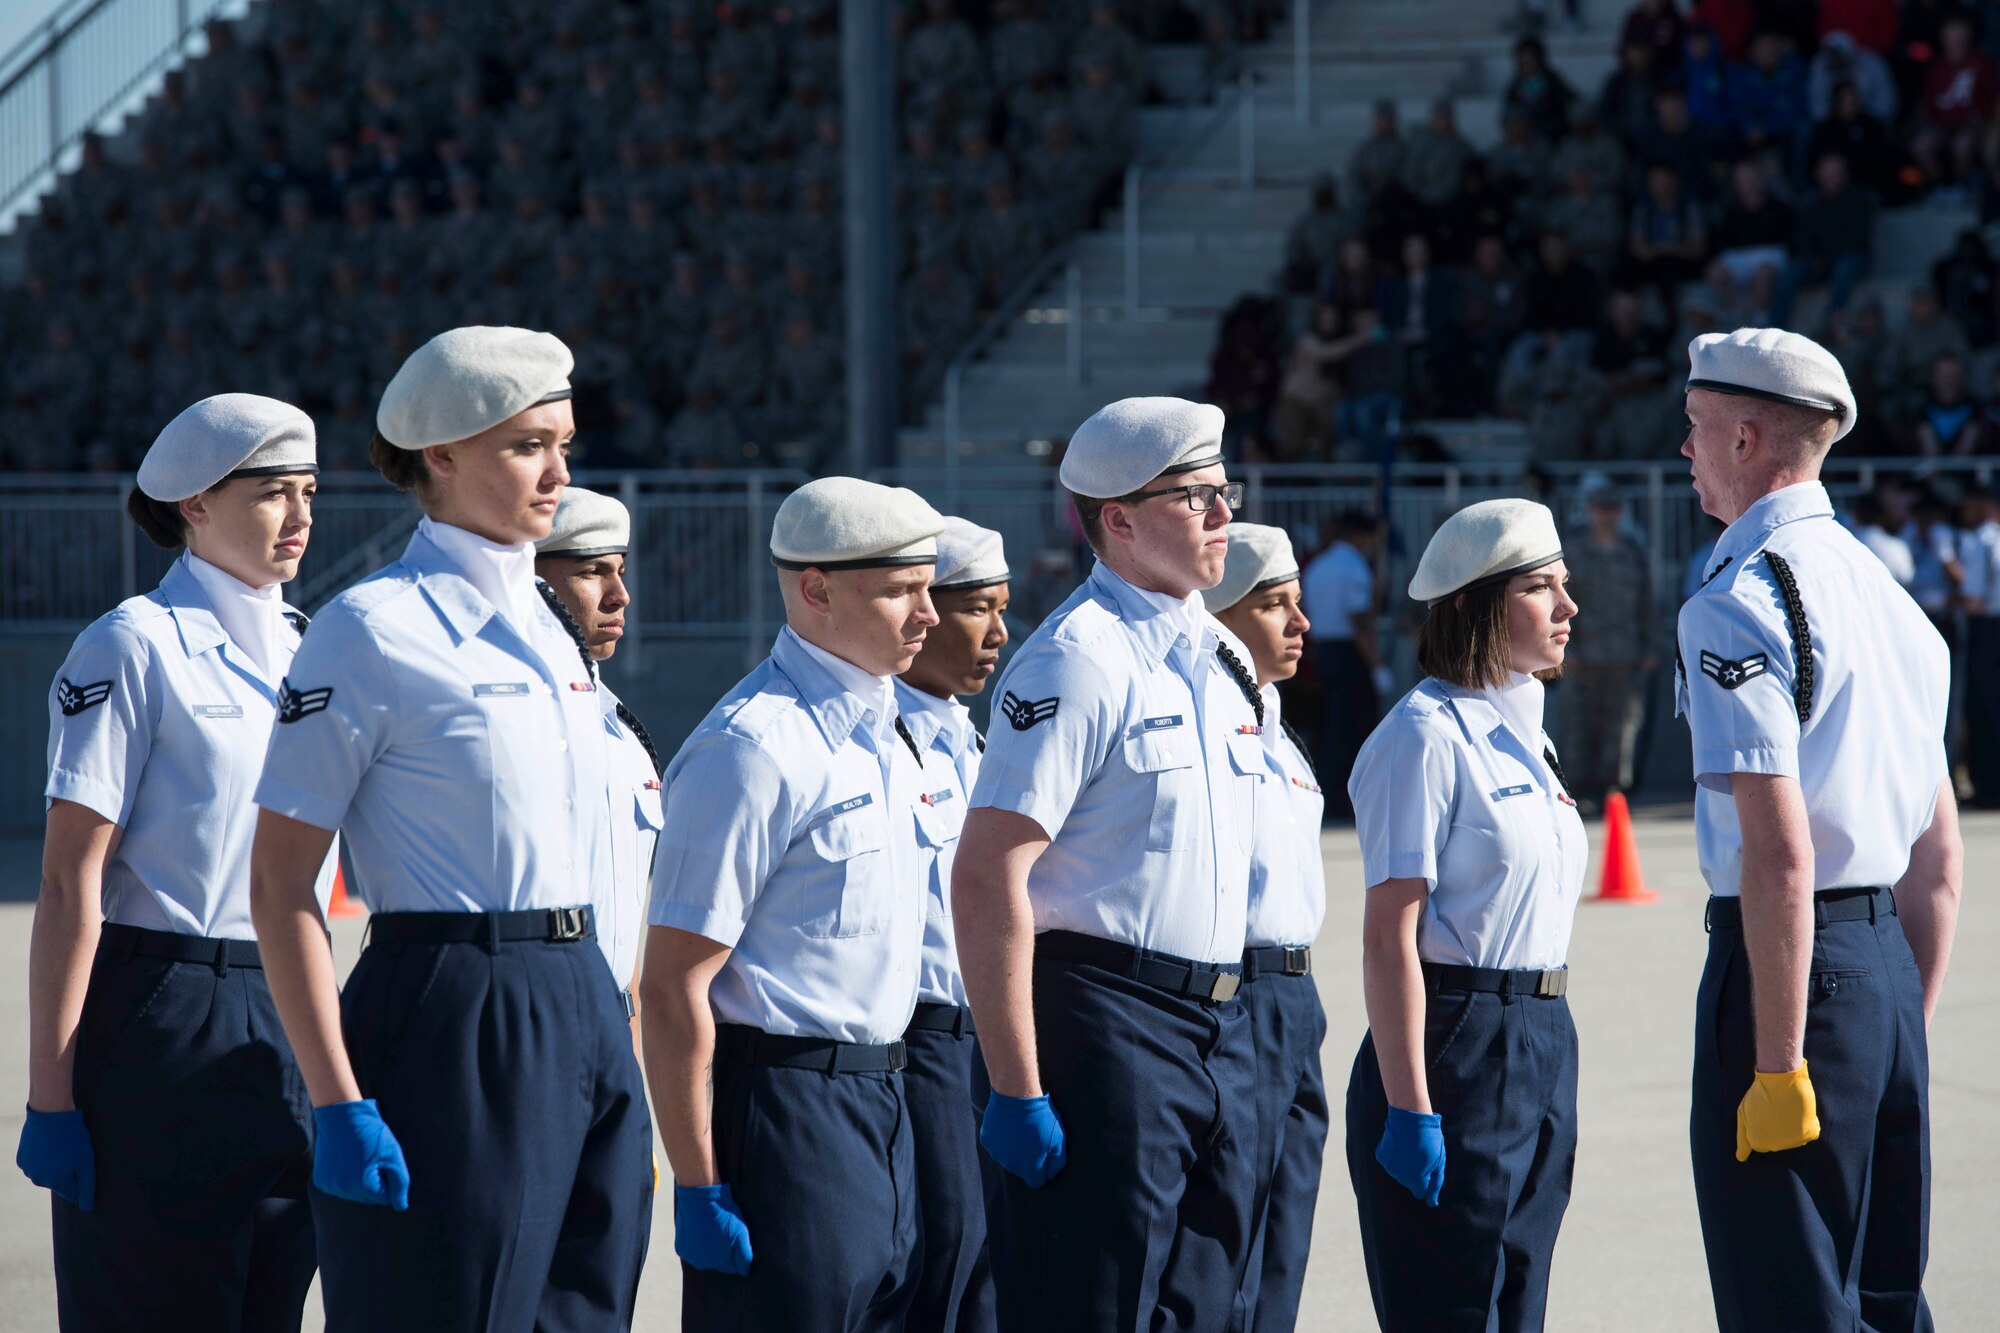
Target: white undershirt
{"x": 253, "y": 618}
{"x": 1520, "y": 703}
{"x": 504, "y": 575}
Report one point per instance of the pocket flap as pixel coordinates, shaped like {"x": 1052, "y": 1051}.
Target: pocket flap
{"x": 938, "y": 825}
{"x": 1248, "y": 756}
{"x": 854, "y": 828}
{"x": 1159, "y": 749}
{"x": 650, "y": 809}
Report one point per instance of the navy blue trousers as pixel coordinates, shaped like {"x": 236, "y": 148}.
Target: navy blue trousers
{"x": 506, "y": 1071}
{"x": 1502, "y": 1075}
{"x": 1148, "y": 1226}
{"x": 824, "y": 1170}
{"x": 955, "y": 1285}
{"x": 202, "y": 1133}
{"x": 1834, "y": 1234}
{"x": 1289, "y": 1024}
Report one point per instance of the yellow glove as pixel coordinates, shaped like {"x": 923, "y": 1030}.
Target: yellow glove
{"x": 1778, "y": 1112}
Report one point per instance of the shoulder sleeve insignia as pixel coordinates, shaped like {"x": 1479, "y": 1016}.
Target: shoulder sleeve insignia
{"x": 1024, "y": 713}
{"x": 295, "y": 704}
{"x": 74, "y": 699}
{"x": 1730, "y": 673}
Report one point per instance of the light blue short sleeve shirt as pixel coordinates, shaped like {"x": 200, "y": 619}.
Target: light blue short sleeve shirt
{"x": 464, "y": 760}
{"x": 1450, "y": 791}
{"x": 158, "y": 721}
{"x": 1287, "y": 874}
{"x": 1125, "y": 737}
{"x": 635, "y": 796}
{"x": 949, "y": 744}
{"x": 1869, "y": 755}
{"x": 790, "y": 837}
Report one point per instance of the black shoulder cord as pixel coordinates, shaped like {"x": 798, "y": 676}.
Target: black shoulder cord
{"x": 298, "y": 621}
{"x": 909, "y": 740}
{"x": 1244, "y": 680}
{"x": 979, "y": 739}
{"x": 1549, "y": 758}
{"x": 625, "y": 715}
{"x": 1795, "y": 620}
{"x": 1299, "y": 744}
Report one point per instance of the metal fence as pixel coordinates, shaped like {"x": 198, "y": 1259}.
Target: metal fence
{"x": 700, "y": 563}
{"x": 78, "y": 71}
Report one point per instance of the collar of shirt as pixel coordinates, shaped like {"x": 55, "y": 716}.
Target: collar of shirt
{"x": 838, "y": 693}
{"x": 253, "y": 618}
{"x": 503, "y": 575}
{"x": 1789, "y": 504}
{"x": 1154, "y": 618}
{"x": 930, "y": 718}
{"x": 1520, "y": 703}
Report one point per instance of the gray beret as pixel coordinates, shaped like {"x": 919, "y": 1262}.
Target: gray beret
{"x": 1259, "y": 557}
{"x": 1484, "y": 543}
{"x": 1127, "y": 444}
{"x": 468, "y": 380}
{"x": 587, "y": 523}
{"x": 229, "y": 435}
{"x": 848, "y": 523}
{"x": 968, "y": 556}
{"x": 1773, "y": 364}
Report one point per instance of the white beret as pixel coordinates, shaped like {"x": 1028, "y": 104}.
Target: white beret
{"x": 1127, "y": 444}
{"x": 229, "y": 435}
{"x": 848, "y": 523}
{"x": 1486, "y": 543}
{"x": 1773, "y": 364}
{"x": 587, "y": 523}
{"x": 468, "y": 380}
{"x": 968, "y": 556}
{"x": 1259, "y": 557}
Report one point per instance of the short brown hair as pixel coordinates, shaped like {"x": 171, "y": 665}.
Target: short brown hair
{"x": 160, "y": 520}
{"x": 1463, "y": 641}
{"x": 402, "y": 468}
{"x": 1090, "y": 513}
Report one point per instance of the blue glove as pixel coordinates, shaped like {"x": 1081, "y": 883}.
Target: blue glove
{"x": 709, "y": 1231}
{"x": 1025, "y": 1136}
{"x": 356, "y": 1157}
{"x": 55, "y": 1154}
{"x": 1412, "y": 1151}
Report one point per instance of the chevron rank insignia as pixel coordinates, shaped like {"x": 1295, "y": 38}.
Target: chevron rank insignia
{"x": 295, "y": 704}
{"x": 1024, "y": 713}
{"x": 73, "y": 699}
{"x": 1729, "y": 674}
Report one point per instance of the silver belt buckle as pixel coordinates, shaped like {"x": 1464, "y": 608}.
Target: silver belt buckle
{"x": 1298, "y": 961}
{"x": 566, "y": 924}
{"x": 1225, "y": 987}
{"x": 1554, "y": 982}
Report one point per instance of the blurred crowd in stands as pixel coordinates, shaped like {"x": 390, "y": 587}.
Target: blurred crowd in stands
{"x": 1728, "y": 172}
{"x": 656, "y": 181}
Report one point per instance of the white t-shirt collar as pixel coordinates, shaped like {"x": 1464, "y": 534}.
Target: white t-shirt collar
{"x": 253, "y": 618}
{"x": 504, "y": 575}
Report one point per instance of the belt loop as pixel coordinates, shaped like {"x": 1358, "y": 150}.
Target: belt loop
{"x": 1506, "y": 988}
{"x": 958, "y": 1020}
{"x": 1819, "y": 913}
{"x": 222, "y": 958}
{"x": 1708, "y": 917}
{"x": 493, "y": 934}
{"x": 367, "y": 932}
{"x": 1872, "y": 901}
{"x": 1891, "y": 891}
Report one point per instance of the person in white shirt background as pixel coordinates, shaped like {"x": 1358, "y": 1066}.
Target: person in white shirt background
{"x": 1345, "y": 657}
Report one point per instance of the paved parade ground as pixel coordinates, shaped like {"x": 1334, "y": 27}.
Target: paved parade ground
{"x": 1630, "y": 1255}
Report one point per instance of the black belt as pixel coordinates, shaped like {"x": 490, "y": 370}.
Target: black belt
{"x": 1277, "y": 960}
{"x": 559, "y": 925}
{"x": 138, "y": 941}
{"x": 953, "y": 1018}
{"x": 736, "y": 1043}
{"x": 1829, "y": 906}
{"x": 1213, "y": 982}
{"x": 1544, "y": 983}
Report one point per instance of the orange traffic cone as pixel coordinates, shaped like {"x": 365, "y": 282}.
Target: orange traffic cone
{"x": 1621, "y": 881}
{"x": 340, "y": 904}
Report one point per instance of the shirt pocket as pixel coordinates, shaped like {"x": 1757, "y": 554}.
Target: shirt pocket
{"x": 1166, "y": 757}
{"x": 849, "y": 895}
{"x": 1247, "y": 760}
{"x": 937, "y": 835}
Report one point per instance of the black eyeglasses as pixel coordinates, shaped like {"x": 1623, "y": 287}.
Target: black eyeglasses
{"x": 1200, "y": 497}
